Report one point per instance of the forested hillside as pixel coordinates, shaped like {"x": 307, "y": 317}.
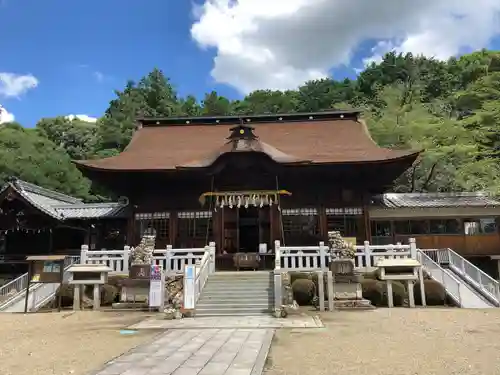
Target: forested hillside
{"x": 451, "y": 109}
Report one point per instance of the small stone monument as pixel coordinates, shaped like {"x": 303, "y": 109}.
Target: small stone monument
{"x": 135, "y": 289}
{"x": 143, "y": 253}
{"x": 346, "y": 281}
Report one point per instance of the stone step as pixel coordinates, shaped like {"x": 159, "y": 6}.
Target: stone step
{"x": 240, "y": 299}
{"x": 227, "y": 280}
{"x": 241, "y": 273}
{"x": 251, "y": 313}
{"x": 235, "y": 290}
{"x": 248, "y": 305}
{"x": 232, "y": 311}
{"x": 262, "y": 286}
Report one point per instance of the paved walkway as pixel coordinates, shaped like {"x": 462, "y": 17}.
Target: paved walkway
{"x": 197, "y": 352}
{"x": 260, "y": 321}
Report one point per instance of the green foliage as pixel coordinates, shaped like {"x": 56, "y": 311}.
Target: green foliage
{"x": 376, "y": 292}
{"x": 304, "y": 291}
{"x": 435, "y": 294}
{"x": 450, "y": 109}
{"x": 76, "y": 137}
{"x": 31, "y": 157}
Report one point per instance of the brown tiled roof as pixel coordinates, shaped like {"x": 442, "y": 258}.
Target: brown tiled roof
{"x": 183, "y": 145}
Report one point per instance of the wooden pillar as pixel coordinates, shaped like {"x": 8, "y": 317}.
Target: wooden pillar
{"x": 275, "y": 217}
{"x": 222, "y": 238}
{"x": 173, "y": 220}
{"x": 131, "y": 240}
{"x": 323, "y": 225}
{"x": 367, "y": 224}
{"x": 216, "y": 228}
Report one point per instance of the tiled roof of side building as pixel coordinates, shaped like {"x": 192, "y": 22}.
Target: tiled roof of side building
{"x": 434, "y": 200}
{"x": 61, "y": 206}
{"x": 315, "y": 138}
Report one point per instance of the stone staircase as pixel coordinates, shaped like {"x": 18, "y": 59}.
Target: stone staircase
{"x": 237, "y": 294}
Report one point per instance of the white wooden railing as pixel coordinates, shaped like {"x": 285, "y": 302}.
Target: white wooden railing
{"x": 174, "y": 261}
{"x": 311, "y": 258}
{"x": 196, "y": 276}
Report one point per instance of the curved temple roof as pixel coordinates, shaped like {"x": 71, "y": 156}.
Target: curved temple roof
{"x": 61, "y": 206}
{"x": 316, "y": 138}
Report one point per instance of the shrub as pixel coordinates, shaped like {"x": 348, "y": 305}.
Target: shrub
{"x": 117, "y": 280}
{"x": 399, "y": 293}
{"x": 435, "y": 294}
{"x": 376, "y": 292}
{"x": 108, "y": 293}
{"x": 66, "y": 291}
{"x": 373, "y": 291}
{"x": 304, "y": 291}
{"x": 300, "y": 276}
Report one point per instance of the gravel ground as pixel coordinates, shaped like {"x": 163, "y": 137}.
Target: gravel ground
{"x": 392, "y": 342}
{"x": 65, "y": 343}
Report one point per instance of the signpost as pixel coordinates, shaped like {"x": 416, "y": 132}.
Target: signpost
{"x": 44, "y": 269}
{"x": 156, "y": 287}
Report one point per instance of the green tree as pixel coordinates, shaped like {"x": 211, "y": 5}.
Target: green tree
{"x": 153, "y": 96}
{"x": 76, "y": 137}
{"x": 34, "y": 158}
{"x": 452, "y": 160}
{"x": 215, "y": 105}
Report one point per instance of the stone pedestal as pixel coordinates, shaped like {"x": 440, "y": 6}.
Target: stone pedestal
{"x": 348, "y": 293}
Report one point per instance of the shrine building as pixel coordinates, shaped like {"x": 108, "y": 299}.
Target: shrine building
{"x": 245, "y": 181}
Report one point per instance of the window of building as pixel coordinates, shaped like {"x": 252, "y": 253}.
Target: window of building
{"x": 402, "y": 227}
{"x": 300, "y": 226}
{"x": 444, "y": 226}
{"x": 344, "y": 220}
{"x": 156, "y": 223}
{"x": 477, "y": 226}
{"x": 408, "y": 227}
{"x": 381, "y": 233}
{"x": 195, "y": 225}
{"x": 381, "y": 229}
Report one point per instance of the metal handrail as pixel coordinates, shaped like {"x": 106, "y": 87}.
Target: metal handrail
{"x": 22, "y": 281}
{"x": 478, "y": 279}
{"x": 439, "y": 274}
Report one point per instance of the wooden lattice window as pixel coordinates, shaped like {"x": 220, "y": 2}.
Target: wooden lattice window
{"x": 195, "y": 225}
{"x": 300, "y": 226}
{"x": 156, "y": 223}
{"x": 344, "y": 220}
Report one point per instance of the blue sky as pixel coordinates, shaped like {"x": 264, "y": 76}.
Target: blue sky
{"x": 80, "y": 51}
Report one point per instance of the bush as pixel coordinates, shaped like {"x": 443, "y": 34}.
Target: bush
{"x": 109, "y": 293}
{"x": 435, "y": 294}
{"x": 117, "y": 280}
{"x": 376, "y": 292}
{"x": 304, "y": 291}
{"x": 300, "y": 276}
{"x": 373, "y": 291}
{"x": 66, "y": 292}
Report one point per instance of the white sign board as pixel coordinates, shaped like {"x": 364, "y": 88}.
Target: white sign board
{"x": 156, "y": 287}
{"x": 189, "y": 287}
{"x": 263, "y": 248}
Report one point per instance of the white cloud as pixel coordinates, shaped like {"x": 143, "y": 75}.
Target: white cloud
{"x": 5, "y": 116}
{"x": 82, "y": 118}
{"x": 14, "y": 85}
{"x": 279, "y": 44}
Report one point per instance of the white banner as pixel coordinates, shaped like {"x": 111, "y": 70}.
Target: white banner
{"x": 156, "y": 287}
